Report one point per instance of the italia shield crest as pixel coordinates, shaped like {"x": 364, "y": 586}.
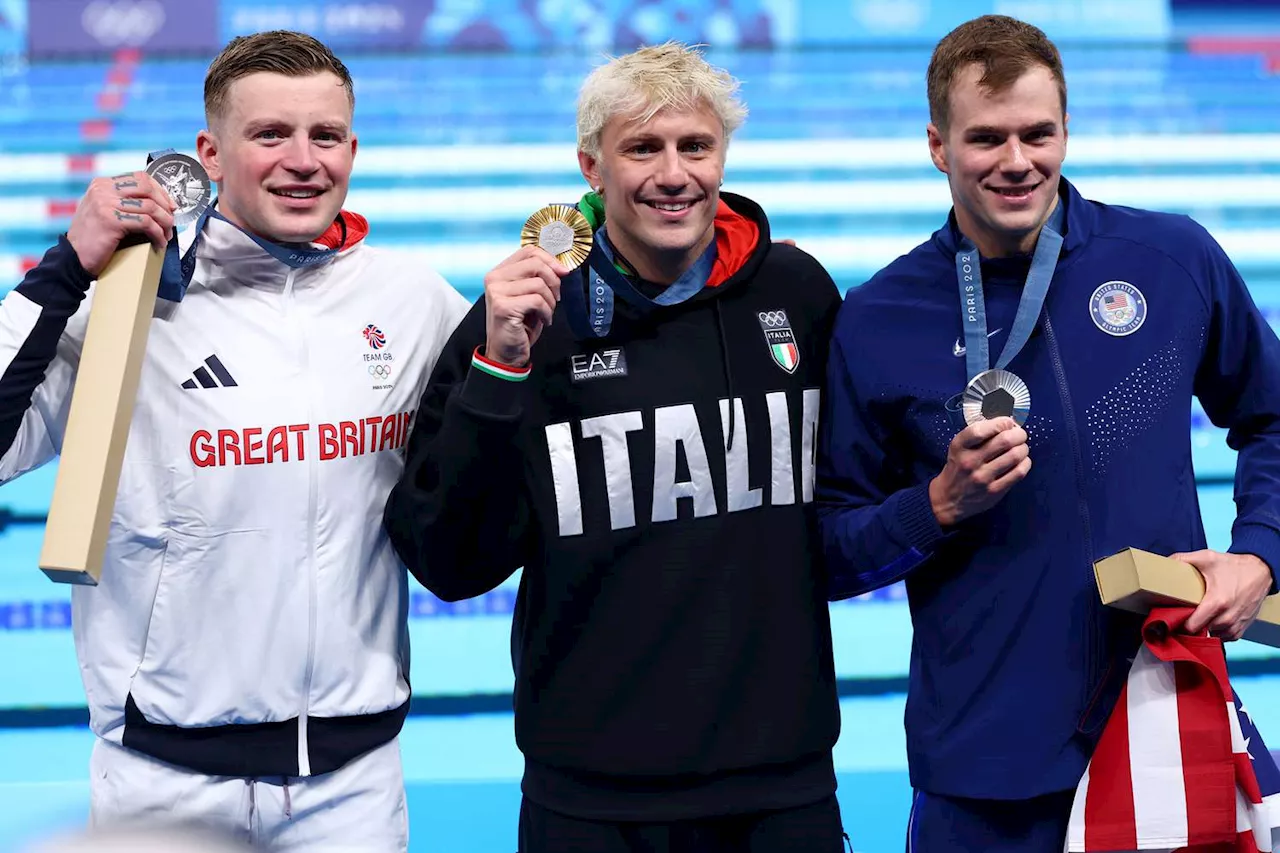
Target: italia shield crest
{"x": 780, "y": 338}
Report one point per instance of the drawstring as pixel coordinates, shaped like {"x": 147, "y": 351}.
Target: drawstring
{"x": 253, "y": 803}
{"x": 847, "y": 842}
{"x": 728, "y": 371}
{"x": 253, "y": 800}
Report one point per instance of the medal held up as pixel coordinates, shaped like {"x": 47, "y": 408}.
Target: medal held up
{"x": 561, "y": 231}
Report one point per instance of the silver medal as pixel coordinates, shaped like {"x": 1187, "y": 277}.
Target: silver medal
{"x": 996, "y": 394}
{"x": 186, "y": 182}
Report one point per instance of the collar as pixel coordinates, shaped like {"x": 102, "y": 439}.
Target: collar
{"x": 225, "y": 252}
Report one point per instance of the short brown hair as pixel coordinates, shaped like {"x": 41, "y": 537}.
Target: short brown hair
{"x": 278, "y": 52}
{"x": 1006, "y": 49}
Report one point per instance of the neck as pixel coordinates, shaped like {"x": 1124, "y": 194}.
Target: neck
{"x": 661, "y": 266}
{"x": 992, "y": 244}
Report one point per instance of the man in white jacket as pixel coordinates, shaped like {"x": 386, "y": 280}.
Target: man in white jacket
{"x": 245, "y": 656}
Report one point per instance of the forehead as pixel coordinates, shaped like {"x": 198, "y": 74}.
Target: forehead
{"x": 668, "y": 123}
{"x": 266, "y": 95}
{"x": 1032, "y": 99}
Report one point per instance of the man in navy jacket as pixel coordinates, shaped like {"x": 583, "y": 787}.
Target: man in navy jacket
{"x": 1111, "y": 319}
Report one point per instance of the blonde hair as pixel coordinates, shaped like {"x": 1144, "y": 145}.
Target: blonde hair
{"x": 643, "y": 83}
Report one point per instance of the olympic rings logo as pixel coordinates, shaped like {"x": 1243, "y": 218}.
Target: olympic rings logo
{"x": 773, "y": 319}
{"x": 380, "y": 371}
{"x": 117, "y": 23}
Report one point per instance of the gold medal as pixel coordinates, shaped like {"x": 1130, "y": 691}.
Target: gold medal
{"x": 561, "y": 231}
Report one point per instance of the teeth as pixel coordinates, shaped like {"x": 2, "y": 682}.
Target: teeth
{"x": 671, "y": 207}
{"x": 297, "y": 193}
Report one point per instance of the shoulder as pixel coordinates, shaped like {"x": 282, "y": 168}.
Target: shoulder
{"x": 792, "y": 267}
{"x": 404, "y": 270}
{"x": 914, "y": 274}
{"x": 1173, "y": 235}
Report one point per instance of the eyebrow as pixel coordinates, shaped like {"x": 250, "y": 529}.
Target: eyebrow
{"x": 270, "y": 123}
{"x": 999, "y": 131}
{"x": 653, "y": 137}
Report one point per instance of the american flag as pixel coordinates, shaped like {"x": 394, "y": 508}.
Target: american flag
{"x": 1116, "y": 299}
{"x": 1180, "y": 765}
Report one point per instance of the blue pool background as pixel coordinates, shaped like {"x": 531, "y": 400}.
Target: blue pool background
{"x": 465, "y": 115}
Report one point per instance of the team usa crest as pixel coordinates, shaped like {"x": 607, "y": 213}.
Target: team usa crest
{"x": 1118, "y": 308}
{"x": 780, "y": 338}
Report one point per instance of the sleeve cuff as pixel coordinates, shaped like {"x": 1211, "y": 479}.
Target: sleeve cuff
{"x": 1261, "y": 541}
{"x": 916, "y": 520}
{"x": 58, "y": 281}
{"x": 493, "y": 389}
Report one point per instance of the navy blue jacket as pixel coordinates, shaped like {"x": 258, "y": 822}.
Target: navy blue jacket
{"x": 1015, "y": 664}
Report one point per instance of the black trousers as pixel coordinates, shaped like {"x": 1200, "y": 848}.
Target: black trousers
{"x": 814, "y": 828}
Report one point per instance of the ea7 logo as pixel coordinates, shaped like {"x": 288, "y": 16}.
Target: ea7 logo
{"x": 780, "y": 338}
{"x": 598, "y": 365}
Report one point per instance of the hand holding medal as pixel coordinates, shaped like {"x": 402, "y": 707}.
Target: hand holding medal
{"x": 991, "y": 455}
{"x": 522, "y": 292}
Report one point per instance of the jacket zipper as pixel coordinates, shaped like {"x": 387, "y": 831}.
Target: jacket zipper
{"x": 304, "y": 757}
{"x": 1092, "y": 640}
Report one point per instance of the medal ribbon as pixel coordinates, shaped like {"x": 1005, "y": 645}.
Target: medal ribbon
{"x": 973, "y": 307}
{"x": 592, "y": 315}
{"x": 177, "y": 268}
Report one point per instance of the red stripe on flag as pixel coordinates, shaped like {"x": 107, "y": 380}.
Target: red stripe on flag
{"x": 61, "y": 208}
{"x": 1109, "y": 820}
{"x": 1208, "y": 769}
{"x": 27, "y": 262}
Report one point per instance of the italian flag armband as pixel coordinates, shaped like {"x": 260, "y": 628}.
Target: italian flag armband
{"x": 501, "y": 371}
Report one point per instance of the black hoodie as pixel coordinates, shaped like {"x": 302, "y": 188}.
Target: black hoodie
{"x": 671, "y": 641}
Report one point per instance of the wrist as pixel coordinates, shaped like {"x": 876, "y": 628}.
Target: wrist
{"x": 500, "y": 369}
{"x": 496, "y": 355}
{"x": 942, "y": 508}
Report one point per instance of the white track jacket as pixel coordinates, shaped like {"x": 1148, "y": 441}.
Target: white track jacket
{"x": 251, "y": 618}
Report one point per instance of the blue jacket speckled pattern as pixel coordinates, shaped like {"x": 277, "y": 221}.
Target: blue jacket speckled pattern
{"x": 1015, "y": 664}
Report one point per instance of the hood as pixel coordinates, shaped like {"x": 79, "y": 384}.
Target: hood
{"x": 347, "y": 230}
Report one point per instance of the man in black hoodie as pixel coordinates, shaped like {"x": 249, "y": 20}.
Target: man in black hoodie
{"x": 639, "y": 435}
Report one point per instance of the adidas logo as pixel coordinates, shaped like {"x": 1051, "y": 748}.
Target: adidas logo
{"x": 216, "y": 376}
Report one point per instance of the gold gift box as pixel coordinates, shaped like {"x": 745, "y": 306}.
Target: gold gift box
{"x": 1138, "y": 581}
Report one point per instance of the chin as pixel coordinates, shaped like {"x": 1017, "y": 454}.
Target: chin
{"x": 301, "y": 232}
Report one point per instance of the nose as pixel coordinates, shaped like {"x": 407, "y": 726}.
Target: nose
{"x": 299, "y": 156}
{"x": 671, "y": 174}
{"x": 1015, "y": 158}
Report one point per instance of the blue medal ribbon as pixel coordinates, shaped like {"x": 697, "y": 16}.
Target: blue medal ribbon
{"x": 973, "y": 306}
{"x": 591, "y": 314}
